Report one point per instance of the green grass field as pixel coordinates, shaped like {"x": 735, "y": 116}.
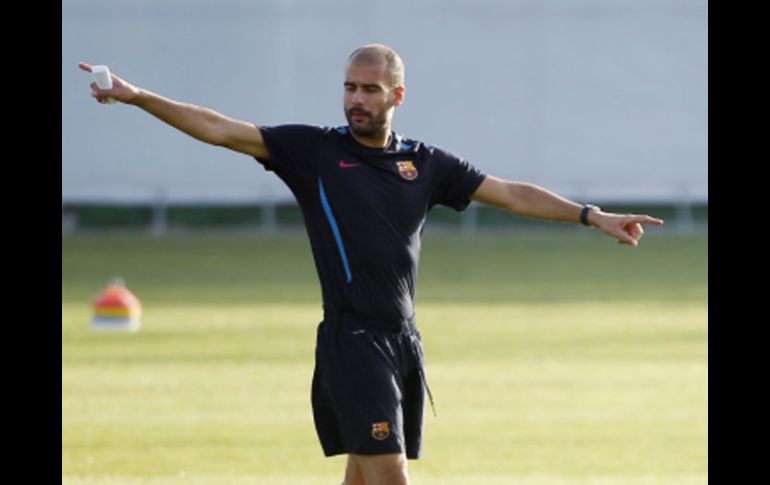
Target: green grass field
{"x": 555, "y": 358}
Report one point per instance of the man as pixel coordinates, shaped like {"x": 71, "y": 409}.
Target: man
{"x": 365, "y": 191}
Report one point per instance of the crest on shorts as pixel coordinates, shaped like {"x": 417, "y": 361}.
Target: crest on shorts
{"x": 381, "y": 430}
{"x": 407, "y": 170}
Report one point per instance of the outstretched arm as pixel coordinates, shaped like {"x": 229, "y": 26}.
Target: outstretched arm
{"x": 201, "y": 123}
{"x": 529, "y": 200}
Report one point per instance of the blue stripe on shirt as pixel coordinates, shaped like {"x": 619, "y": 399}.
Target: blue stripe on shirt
{"x": 335, "y": 229}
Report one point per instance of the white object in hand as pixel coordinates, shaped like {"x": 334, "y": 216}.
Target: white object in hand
{"x": 103, "y": 79}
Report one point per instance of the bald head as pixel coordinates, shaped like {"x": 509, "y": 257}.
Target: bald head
{"x": 381, "y": 54}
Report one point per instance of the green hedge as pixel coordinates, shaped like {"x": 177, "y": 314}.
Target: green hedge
{"x": 289, "y": 216}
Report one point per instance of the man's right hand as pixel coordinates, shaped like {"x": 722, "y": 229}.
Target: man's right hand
{"x": 121, "y": 90}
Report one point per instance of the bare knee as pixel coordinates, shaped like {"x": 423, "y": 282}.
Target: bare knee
{"x": 389, "y": 469}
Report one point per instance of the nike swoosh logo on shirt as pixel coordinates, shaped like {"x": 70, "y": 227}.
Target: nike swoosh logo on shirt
{"x": 344, "y": 164}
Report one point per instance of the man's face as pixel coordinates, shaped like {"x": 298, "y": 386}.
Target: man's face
{"x": 369, "y": 99}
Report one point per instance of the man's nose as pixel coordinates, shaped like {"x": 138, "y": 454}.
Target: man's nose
{"x": 357, "y": 98}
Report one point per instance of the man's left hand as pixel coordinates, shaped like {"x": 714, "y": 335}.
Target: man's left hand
{"x": 627, "y": 229}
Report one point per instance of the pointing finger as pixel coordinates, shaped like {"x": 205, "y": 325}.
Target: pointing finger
{"x": 648, "y": 220}
{"x": 84, "y": 66}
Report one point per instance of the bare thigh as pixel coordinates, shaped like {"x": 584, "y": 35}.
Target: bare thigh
{"x": 389, "y": 469}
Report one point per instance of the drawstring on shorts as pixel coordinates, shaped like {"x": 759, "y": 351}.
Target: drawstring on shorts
{"x": 414, "y": 339}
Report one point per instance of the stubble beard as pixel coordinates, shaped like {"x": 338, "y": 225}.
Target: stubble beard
{"x": 374, "y": 127}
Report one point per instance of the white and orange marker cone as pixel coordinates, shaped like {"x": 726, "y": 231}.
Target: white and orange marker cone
{"x": 116, "y": 308}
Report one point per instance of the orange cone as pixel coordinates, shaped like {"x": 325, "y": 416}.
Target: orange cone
{"x": 116, "y": 308}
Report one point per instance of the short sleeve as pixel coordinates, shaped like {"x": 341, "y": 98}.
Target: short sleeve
{"x": 458, "y": 180}
{"x": 292, "y": 148}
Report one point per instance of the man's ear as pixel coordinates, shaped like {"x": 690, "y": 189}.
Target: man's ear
{"x": 398, "y": 95}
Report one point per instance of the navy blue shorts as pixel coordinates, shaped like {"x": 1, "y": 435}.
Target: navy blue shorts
{"x": 368, "y": 388}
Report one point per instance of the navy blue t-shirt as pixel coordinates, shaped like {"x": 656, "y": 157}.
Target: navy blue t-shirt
{"x": 364, "y": 209}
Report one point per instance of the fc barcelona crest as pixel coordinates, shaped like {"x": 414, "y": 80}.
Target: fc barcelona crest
{"x": 407, "y": 170}
{"x": 381, "y": 430}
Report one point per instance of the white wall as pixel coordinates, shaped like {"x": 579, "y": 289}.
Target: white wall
{"x": 595, "y": 99}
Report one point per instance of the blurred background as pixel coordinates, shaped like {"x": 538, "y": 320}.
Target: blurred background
{"x": 602, "y": 101}
{"x": 556, "y": 356}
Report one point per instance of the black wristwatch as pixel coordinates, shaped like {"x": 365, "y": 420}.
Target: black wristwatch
{"x": 584, "y": 213}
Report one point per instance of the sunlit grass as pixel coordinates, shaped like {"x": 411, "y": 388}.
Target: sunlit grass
{"x": 601, "y": 378}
